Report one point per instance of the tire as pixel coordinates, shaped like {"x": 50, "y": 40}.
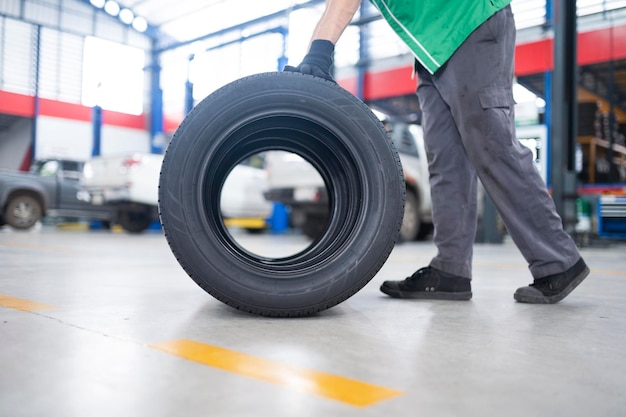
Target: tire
{"x": 23, "y": 211}
{"x": 134, "y": 221}
{"x": 331, "y": 129}
{"x": 411, "y": 221}
{"x": 314, "y": 225}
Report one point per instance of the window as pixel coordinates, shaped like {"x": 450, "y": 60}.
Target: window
{"x": 113, "y": 76}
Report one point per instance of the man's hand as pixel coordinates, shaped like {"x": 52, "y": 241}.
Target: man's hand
{"x": 317, "y": 61}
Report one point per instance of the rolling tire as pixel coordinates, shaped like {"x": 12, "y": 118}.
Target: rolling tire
{"x": 331, "y": 129}
{"x": 23, "y": 211}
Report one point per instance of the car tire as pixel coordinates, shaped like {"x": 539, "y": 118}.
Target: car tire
{"x": 23, "y": 211}
{"x": 134, "y": 221}
{"x": 339, "y": 136}
{"x": 314, "y": 225}
{"x": 411, "y": 221}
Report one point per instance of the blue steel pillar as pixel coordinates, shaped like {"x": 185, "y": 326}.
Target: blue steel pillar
{"x": 547, "y": 93}
{"x": 564, "y": 112}
{"x": 156, "y": 105}
{"x": 96, "y": 121}
{"x": 282, "y": 60}
{"x": 189, "y": 103}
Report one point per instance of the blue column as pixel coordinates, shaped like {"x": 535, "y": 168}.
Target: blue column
{"x": 189, "y": 102}
{"x": 282, "y": 60}
{"x": 547, "y": 93}
{"x": 156, "y": 105}
{"x": 96, "y": 120}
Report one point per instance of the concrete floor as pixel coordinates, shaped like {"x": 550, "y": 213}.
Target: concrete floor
{"x": 94, "y": 323}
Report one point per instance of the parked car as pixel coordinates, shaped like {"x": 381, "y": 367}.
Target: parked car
{"x": 52, "y": 188}
{"x": 297, "y": 184}
{"x": 130, "y": 184}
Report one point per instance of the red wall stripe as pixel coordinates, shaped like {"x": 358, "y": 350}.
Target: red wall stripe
{"x": 64, "y": 110}
{"x": 24, "y": 106}
{"x": 594, "y": 47}
{"x": 16, "y": 104}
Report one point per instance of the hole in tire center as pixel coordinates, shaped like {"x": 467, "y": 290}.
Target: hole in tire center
{"x": 274, "y": 204}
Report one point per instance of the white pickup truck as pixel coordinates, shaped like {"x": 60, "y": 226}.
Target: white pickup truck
{"x": 131, "y": 183}
{"x": 128, "y": 182}
{"x": 295, "y": 183}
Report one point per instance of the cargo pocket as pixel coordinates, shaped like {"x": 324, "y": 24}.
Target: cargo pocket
{"x": 498, "y": 118}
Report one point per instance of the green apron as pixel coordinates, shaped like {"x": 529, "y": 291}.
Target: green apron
{"x": 434, "y": 29}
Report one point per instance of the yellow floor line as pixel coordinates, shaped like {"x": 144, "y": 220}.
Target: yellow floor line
{"x": 251, "y": 223}
{"x": 23, "y": 305}
{"x": 346, "y": 390}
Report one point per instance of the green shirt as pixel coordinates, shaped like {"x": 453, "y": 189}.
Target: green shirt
{"x": 434, "y": 29}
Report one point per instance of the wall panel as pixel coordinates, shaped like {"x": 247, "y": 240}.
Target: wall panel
{"x": 43, "y": 13}
{"x": 18, "y": 57}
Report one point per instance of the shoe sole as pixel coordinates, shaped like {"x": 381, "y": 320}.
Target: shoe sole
{"x": 531, "y": 299}
{"x": 421, "y": 295}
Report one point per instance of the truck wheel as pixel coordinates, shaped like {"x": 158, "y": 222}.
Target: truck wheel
{"x": 332, "y": 130}
{"x": 134, "y": 221}
{"x": 23, "y": 211}
{"x": 314, "y": 225}
{"x": 411, "y": 221}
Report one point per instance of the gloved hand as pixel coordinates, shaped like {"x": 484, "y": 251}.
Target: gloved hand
{"x": 317, "y": 61}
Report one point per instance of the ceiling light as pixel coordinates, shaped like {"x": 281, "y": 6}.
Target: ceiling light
{"x": 140, "y": 24}
{"x": 112, "y": 8}
{"x": 97, "y": 3}
{"x": 126, "y": 16}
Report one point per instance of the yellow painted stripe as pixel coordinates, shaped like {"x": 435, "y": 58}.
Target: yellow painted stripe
{"x": 250, "y": 223}
{"x": 23, "y": 305}
{"x": 81, "y": 227}
{"x": 346, "y": 390}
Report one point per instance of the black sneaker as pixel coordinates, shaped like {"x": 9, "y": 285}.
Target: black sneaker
{"x": 553, "y": 288}
{"x": 429, "y": 284}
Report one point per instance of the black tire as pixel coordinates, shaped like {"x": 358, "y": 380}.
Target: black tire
{"x": 134, "y": 221}
{"x": 23, "y": 211}
{"x": 314, "y": 225}
{"x": 331, "y": 129}
{"x": 411, "y": 222}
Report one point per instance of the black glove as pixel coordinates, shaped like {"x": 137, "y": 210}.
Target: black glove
{"x": 317, "y": 61}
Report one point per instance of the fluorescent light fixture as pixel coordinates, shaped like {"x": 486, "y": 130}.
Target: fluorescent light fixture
{"x": 112, "y": 8}
{"x": 97, "y": 3}
{"x": 126, "y": 16}
{"x": 140, "y": 24}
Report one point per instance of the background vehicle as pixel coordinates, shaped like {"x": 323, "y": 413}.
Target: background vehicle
{"x": 52, "y": 188}
{"x": 130, "y": 184}
{"x": 297, "y": 184}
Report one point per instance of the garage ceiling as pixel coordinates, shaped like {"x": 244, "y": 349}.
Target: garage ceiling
{"x": 186, "y": 20}
{"x": 183, "y": 21}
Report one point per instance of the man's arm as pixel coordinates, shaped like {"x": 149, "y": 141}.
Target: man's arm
{"x": 336, "y": 17}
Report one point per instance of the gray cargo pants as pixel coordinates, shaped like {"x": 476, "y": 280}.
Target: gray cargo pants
{"x": 469, "y": 130}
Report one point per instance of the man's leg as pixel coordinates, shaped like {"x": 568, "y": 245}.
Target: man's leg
{"x": 452, "y": 181}
{"x": 476, "y": 84}
{"x": 453, "y": 192}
